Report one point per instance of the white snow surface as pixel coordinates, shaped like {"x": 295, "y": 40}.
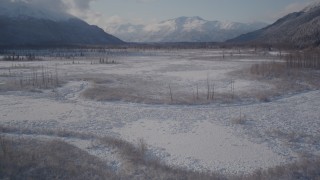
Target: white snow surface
{"x": 194, "y": 24}
{"x": 202, "y": 146}
{"x": 200, "y": 137}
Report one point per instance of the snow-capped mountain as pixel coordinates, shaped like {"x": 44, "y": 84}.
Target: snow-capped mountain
{"x": 182, "y": 29}
{"x": 301, "y": 29}
{"x": 23, "y": 23}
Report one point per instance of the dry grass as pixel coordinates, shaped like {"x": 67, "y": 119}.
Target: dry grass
{"x": 28, "y": 78}
{"x": 306, "y": 169}
{"x": 138, "y": 165}
{"x": 136, "y": 162}
{"x": 283, "y": 79}
{"x": 173, "y": 95}
{"x": 307, "y": 59}
{"x": 239, "y": 120}
{"x": 268, "y": 70}
{"x": 31, "y": 159}
{"x": 294, "y": 137}
{"x": 34, "y": 159}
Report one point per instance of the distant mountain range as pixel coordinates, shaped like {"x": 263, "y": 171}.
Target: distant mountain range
{"x": 23, "y": 24}
{"x": 182, "y": 29}
{"x": 300, "y": 29}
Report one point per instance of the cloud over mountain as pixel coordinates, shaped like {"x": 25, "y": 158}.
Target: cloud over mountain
{"x": 36, "y": 22}
{"x": 182, "y": 29}
{"x": 300, "y": 29}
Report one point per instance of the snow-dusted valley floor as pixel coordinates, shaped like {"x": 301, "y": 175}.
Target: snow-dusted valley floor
{"x": 161, "y": 97}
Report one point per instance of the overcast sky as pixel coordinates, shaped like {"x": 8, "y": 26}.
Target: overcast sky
{"x": 106, "y": 12}
{"x": 226, "y": 10}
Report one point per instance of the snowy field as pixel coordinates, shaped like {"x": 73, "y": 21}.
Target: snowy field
{"x": 195, "y": 109}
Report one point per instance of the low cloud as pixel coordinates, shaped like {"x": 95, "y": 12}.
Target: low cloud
{"x": 293, "y": 7}
{"x": 144, "y": 1}
{"x": 75, "y": 7}
{"x": 56, "y": 5}
{"x": 115, "y": 19}
{"x": 110, "y": 23}
{"x": 78, "y": 8}
{"x": 272, "y": 16}
{"x": 78, "y": 4}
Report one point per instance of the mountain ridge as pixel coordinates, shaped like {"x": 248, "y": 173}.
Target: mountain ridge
{"x": 182, "y": 29}
{"x": 300, "y": 29}
{"x": 24, "y": 25}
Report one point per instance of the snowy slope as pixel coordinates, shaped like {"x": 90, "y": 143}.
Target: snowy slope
{"x": 24, "y": 23}
{"x": 300, "y": 29}
{"x": 182, "y": 29}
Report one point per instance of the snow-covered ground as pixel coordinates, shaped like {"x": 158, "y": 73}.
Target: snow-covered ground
{"x": 200, "y": 137}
